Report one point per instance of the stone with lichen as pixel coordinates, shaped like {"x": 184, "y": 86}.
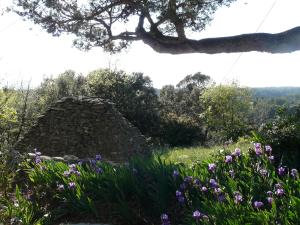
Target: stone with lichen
{"x": 84, "y": 127}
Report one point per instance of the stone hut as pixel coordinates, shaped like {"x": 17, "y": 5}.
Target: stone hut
{"x": 84, "y": 127}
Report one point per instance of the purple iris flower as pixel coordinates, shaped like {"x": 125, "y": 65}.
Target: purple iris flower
{"x": 278, "y": 185}
{"x": 71, "y": 185}
{"x": 93, "y": 162}
{"x": 228, "y": 159}
{"x": 164, "y": 219}
{"x": 213, "y": 183}
{"x": 237, "y": 152}
{"x": 238, "y": 198}
{"x": 72, "y": 167}
{"x": 279, "y": 192}
{"x": 36, "y": 152}
{"x": 218, "y": 191}
{"x": 197, "y": 182}
{"x": 38, "y": 160}
{"x": 204, "y": 189}
{"x": 60, "y": 187}
{"x": 98, "y": 157}
{"x": 258, "y": 149}
{"x": 263, "y": 172}
{"x": 270, "y": 193}
{"x": 231, "y": 172}
{"x": 175, "y": 173}
{"x": 257, "y": 145}
{"x": 258, "y": 204}
{"x": 270, "y": 200}
{"x": 212, "y": 167}
{"x": 66, "y": 174}
{"x": 197, "y": 215}
{"x": 271, "y": 158}
{"x": 180, "y": 197}
{"x": 268, "y": 149}
{"x": 281, "y": 171}
{"x": 98, "y": 170}
{"x": 178, "y": 193}
{"x": 294, "y": 173}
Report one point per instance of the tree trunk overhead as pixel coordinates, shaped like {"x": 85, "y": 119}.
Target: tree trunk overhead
{"x": 284, "y": 42}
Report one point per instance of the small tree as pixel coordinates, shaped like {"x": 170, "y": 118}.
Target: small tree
{"x": 226, "y": 110}
{"x": 8, "y": 117}
{"x": 180, "y": 110}
{"x": 66, "y": 84}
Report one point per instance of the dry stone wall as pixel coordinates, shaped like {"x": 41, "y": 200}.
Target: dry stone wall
{"x": 84, "y": 127}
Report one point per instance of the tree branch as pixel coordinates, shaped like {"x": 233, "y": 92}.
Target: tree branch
{"x": 175, "y": 16}
{"x": 127, "y": 36}
{"x": 172, "y": 14}
{"x": 284, "y": 42}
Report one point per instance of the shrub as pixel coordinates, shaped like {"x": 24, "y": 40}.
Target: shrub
{"x": 180, "y": 131}
{"x": 283, "y": 133}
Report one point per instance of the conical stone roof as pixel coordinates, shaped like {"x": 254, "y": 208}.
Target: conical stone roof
{"x": 84, "y": 127}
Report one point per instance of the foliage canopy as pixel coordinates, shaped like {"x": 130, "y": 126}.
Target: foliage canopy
{"x": 161, "y": 24}
{"x": 227, "y": 110}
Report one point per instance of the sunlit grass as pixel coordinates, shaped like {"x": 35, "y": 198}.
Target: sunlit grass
{"x": 192, "y": 154}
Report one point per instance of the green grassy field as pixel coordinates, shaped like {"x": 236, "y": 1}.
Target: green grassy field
{"x": 192, "y": 154}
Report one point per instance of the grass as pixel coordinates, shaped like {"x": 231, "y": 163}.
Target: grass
{"x": 189, "y": 155}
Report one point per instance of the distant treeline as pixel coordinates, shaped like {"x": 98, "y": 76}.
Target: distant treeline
{"x": 196, "y": 111}
{"x": 273, "y": 92}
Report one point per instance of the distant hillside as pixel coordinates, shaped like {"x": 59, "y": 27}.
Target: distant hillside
{"x": 268, "y": 92}
{"x": 271, "y": 92}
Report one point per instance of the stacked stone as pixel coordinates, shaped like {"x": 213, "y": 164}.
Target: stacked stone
{"x": 84, "y": 127}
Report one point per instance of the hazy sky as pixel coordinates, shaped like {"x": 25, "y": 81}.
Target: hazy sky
{"x": 28, "y": 53}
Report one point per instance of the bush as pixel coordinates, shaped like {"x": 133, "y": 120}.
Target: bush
{"x": 8, "y": 118}
{"x": 283, "y": 133}
{"x": 226, "y": 111}
{"x": 180, "y": 131}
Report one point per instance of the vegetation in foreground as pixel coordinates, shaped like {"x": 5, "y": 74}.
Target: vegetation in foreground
{"x": 233, "y": 187}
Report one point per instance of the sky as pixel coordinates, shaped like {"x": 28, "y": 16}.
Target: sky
{"x": 29, "y": 54}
